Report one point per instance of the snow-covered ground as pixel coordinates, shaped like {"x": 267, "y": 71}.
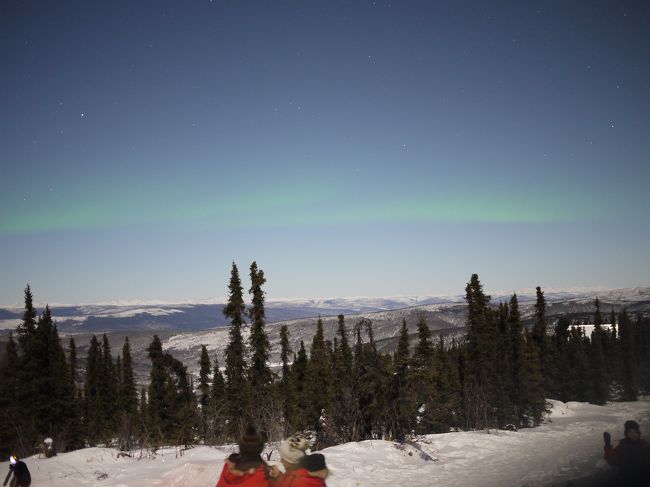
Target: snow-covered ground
{"x": 567, "y": 447}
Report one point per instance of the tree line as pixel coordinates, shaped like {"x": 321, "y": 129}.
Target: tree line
{"x": 337, "y": 390}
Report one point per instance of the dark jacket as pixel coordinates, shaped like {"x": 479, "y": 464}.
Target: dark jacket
{"x": 22, "y": 477}
{"x": 633, "y": 461}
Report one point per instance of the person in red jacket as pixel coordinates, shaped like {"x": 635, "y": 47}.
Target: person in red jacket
{"x": 301, "y": 470}
{"x": 631, "y": 456}
{"x": 246, "y": 468}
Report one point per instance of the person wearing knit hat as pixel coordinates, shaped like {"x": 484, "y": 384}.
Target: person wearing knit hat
{"x": 292, "y": 450}
{"x": 301, "y": 470}
{"x": 246, "y": 468}
{"x": 631, "y": 456}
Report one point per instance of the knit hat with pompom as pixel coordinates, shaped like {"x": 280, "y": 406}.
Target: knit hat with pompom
{"x": 251, "y": 443}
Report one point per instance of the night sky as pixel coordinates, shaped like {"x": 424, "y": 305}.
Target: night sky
{"x": 351, "y": 148}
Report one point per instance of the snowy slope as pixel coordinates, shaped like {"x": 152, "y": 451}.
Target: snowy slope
{"x": 567, "y": 447}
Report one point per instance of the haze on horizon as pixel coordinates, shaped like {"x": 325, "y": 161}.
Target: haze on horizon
{"x": 351, "y": 149}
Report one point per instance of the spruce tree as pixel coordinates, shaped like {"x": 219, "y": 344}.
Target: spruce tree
{"x": 533, "y": 398}
{"x": 642, "y": 334}
{"x": 285, "y": 385}
{"x": 447, "y": 388}
{"x": 27, "y": 327}
{"x": 318, "y": 384}
{"x": 9, "y": 405}
{"x": 403, "y": 400}
{"x": 598, "y": 367}
{"x": 28, "y": 372}
{"x": 479, "y": 367}
{"x": 216, "y": 405}
{"x": 204, "y": 378}
{"x": 344, "y": 404}
{"x": 128, "y": 392}
{"x": 578, "y": 358}
{"x": 541, "y": 340}
{"x": 127, "y": 414}
{"x": 503, "y": 370}
{"x": 561, "y": 388}
{"x": 53, "y": 394}
{"x": 517, "y": 359}
{"x": 237, "y": 407}
{"x": 423, "y": 378}
{"x": 93, "y": 420}
{"x": 373, "y": 384}
{"x": 299, "y": 417}
{"x": 259, "y": 372}
{"x": 205, "y": 367}
{"x": 76, "y": 429}
{"x": 143, "y": 422}
{"x": 108, "y": 389}
{"x": 72, "y": 357}
{"x": 628, "y": 357}
{"x": 160, "y": 401}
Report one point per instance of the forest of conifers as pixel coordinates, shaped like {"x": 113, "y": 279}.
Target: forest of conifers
{"x": 342, "y": 390}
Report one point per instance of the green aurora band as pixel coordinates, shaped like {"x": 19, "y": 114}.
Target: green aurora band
{"x": 286, "y": 205}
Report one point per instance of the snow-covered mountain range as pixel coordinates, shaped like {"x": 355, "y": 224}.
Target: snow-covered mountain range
{"x": 207, "y": 314}
{"x": 184, "y": 327}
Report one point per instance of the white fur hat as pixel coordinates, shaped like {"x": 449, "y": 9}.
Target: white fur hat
{"x": 292, "y": 450}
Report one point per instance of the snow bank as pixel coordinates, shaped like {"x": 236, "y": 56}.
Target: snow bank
{"x": 568, "y": 446}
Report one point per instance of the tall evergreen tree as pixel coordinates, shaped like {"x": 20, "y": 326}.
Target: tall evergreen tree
{"x": 128, "y": 392}
{"x": 28, "y": 372}
{"x": 108, "y": 389}
{"x": 205, "y": 367}
{"x": 447, "y": 390}
{"x": 403, "y": 398}
{"x": 423, "y": 378}
{"x": 629, "y": 362}
{"x": 372, "y": 384}
{"x": 127, "y": 413}
{"x": 517, "y": 360}
{"x": 27, "y": 327}
{"x": 75, "y": 439}
{"x": 561, "y": 370}
{"x": 259, "y": 373}
{"x": 10, "y": 439}
{"x": 503, "y": 370}
{"x": 53, "y": 394}
{"x": 318, "y": 384}
{"x": 533, "y": 398}
{"x": 93, "y": 419}
{"x": 598, "y": 368}
{"x": 299, "y": 417}
{"x": 539, "y": 327}
{"x": 578, "y": 358}
{"x": 72, "y": 357}
{"x": 541, "y": 340}
{"x": 479, "y": 368}
{"x": 216, "y": 405}
{"x": 143, "y": 421}
{"x": 344, "y": 402}
{"x": 160, "y": 397}
{"x": 237, "y": 410}
{"x": 285, "y": 386}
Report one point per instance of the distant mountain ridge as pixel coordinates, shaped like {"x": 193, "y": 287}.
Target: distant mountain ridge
{"x": 204, "y": 315}
{"x": 184, "y": 327}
